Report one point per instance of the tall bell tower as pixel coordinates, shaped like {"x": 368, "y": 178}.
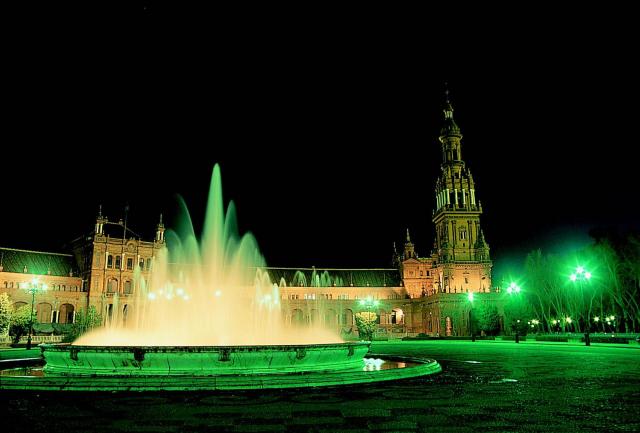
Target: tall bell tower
{"x": 463, "y": 260}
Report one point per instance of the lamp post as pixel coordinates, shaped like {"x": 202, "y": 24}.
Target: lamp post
{"x": 611, "y": 321}
{"x": 471, "y": 330}
{"x": 580, "y": 276}
{"x": 515, "y": 289}
{"x": 33, "y": 289}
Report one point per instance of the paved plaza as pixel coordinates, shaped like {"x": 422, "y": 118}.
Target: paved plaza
{"x": 486, "y": 386}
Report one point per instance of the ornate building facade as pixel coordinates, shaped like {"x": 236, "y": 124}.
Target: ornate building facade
{"x": 419, "y": 295}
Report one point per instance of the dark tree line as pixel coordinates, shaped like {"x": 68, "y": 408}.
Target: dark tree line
{"x": 607, "y": 301}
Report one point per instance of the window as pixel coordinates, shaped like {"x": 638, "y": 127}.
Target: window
{"x": 463, "y": 234}
{"x": 128, "y": 288}
{"x": 112, "y": 286}
{"x": 141, "y": 264}
{"x": 466, "y": 280}
{"x": 130, "y": 264}
{"x": 148, "y": 264}
{"x": 118, "y": 261}
{"x": 109, "y": 261}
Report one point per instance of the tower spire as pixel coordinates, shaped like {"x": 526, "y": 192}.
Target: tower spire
{"x": 160, "y": 231}
{"x": 100, "y": 220}
{"x": 409, "y": 250}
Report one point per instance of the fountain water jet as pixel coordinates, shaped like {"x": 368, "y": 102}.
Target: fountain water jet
{"x": 211, "y": 293}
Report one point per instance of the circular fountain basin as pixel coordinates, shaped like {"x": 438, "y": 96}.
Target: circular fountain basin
{"x": 69, "y": 359}
{"x": 194, "y": 368}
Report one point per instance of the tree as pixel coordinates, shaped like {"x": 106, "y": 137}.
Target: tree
{"x": 85, "y": 322}
{"x": 6, "y": 309}
{"x": 20, "y": 321}
{"x": 488, "y": 319}
{"x": 366, "y": 324}
{"x": 517, "y": 312}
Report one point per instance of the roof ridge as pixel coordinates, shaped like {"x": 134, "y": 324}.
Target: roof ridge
{"x": 36, "y": 252}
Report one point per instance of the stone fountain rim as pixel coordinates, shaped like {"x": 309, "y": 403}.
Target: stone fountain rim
{"x": 48, "y": 346}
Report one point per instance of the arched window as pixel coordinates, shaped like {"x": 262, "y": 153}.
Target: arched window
{"x": 347, "y": 317}
{"x": 65, "y": 314}
{"x": 397, "y": 316}
{"x": 330, "y": 317}
{"x": 19, "y": 304}
{"x": 44, "y": 312}
{"x": 112, "y": 286}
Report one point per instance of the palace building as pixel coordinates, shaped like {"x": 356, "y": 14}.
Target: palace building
{"x": 418, "y": 295}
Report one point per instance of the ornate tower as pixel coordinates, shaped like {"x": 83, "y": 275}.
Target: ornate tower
{"x": 464, "y": 264}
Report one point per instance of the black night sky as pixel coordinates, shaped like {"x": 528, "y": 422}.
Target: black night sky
{"x": 326, "y": 133}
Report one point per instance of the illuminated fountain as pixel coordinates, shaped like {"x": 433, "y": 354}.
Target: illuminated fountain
{"x": 208, "y": 317}
{"x": 208, "y": 293}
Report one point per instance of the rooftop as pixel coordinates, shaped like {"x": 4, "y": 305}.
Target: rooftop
{"x": 37, "y": 262}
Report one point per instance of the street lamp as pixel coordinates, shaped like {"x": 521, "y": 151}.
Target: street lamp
{"x": 515, "y": 289}
{"x": 470, "y": 298}
{"x": 534, "y": 324}
{"x": 33, "y": 289}
{"x": 580, "y": 276}
{"x": 611, "y": 321}
{"x": 369, "y": 302}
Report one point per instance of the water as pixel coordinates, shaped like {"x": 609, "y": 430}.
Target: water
{"x": 206, "y": 292}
